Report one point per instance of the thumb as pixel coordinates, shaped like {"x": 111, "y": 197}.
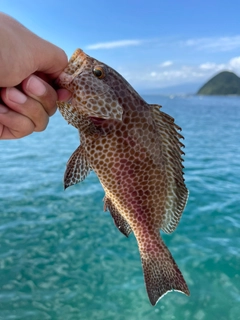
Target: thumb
{"x": 50, "y": 59}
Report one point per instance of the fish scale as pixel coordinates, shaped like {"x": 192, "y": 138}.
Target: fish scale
{"x": 134, "y": 149}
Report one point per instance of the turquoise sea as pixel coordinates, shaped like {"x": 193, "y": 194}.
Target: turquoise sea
{"x": 62, "y": 258}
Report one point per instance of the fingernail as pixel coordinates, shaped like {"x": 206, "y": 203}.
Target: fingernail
{"x": 3, "y": 109}
{"x": 15, "y": 95}
{"x": 35, "y": 86}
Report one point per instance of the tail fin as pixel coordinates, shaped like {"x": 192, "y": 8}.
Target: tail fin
{"x": 161, "y": 272}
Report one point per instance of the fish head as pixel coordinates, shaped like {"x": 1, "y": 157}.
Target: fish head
{"x": 93, "y": 87}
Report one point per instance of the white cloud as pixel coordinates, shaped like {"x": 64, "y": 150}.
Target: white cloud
{"x": 114, "y": 44}
{"x": 235, "y": 63}
{"x": 214, "y": 43}
{"x": 210, "y": 44}
{"x": 214, "y": 67}
{"x": 207, "y": 66}
{"x": 174, "y": 76}
{"x": 153, "y": 74}
{"x": 165, "y": 64}
{"x": 181, "y": 74}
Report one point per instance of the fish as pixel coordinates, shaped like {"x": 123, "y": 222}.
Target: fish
{"x": 135, "y": 149}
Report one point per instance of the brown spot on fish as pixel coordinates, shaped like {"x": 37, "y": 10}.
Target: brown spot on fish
{"x": 134, "y": 149}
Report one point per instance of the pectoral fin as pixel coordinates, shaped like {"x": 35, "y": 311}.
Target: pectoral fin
{"x": 77, "y": 168}
{"x": 119, "y": 221}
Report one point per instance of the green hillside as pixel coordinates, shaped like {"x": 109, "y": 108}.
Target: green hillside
{"x": 223, "y": 83}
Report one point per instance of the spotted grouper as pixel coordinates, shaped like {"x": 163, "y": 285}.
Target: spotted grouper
{"x": 135, "y": 150}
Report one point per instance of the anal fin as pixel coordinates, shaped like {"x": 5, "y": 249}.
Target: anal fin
{"x": 119, "y": 220}
{"x": 77, "y": 168}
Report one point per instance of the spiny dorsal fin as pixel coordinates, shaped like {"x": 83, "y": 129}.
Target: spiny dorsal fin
{"x": 177, "y": 193}
{"x": 119, "y": 221}
{"x": 77, "y": 168}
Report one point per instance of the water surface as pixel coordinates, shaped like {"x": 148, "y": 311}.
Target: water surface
{"x": 61, "y": 257}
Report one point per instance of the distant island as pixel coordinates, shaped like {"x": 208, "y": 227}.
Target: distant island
{"x": 223, "y": 83}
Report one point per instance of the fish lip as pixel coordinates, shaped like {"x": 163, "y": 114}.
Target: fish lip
{"x": 76, "y": 61}
{"x": 77, "y": 55}
{"x": 69, "y": 73}
{"x": 97, "y": 120}
{"x": 64, "y": 78}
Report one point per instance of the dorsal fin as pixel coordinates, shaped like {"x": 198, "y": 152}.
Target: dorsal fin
{"x": 177, "y": 193}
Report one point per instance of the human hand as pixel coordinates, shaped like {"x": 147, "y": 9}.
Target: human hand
{"x": 28, "y": 67}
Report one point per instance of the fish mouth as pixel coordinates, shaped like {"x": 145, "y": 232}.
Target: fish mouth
{"x": 75, "y": 61}
{"x": 72, "y": 70}
{"x": 97, "y": 121}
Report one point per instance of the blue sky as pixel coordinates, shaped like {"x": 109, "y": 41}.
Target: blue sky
{"x": 152, "y": 43}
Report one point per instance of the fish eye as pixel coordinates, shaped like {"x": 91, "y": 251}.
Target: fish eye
{"x": 99, "y": 72}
